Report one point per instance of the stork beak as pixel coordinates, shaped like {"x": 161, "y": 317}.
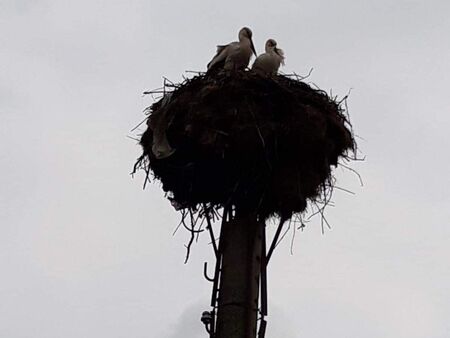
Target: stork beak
{"x": 253, "y": 47}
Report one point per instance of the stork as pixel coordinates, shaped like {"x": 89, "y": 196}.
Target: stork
{"x": 269, "y": 62}
{"x": 234, "y": 56}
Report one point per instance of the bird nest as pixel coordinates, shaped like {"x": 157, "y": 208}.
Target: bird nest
{"x": 265, "y": 145}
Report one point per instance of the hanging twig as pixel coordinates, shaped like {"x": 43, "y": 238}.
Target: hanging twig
{"x": 188, "y": 247}
{"x": 345, "y": 190}
{"x": 219, "y": 259}
{"x": 194, "y": 72}
{"x": 292, "y": 240}
{"x": 210, "y": 229}
{"x": 140, "y": 123}
{"x": 297, "y": 76}
{"x": 353, "y": 171}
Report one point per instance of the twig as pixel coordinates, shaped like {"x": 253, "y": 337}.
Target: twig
{"x": 195, "y": 72}
{"x": 211, "y": 232}
{"x": 292, "y": 240}
{"x": 345, "y": 190}
{"x": 297, "y": 76}
{"x": 353, "y": 171}
{"x": 183, "y": 215}
{"x": 133, "y": 138}
{"x": 139, "y": 124}
{"x": 188, "y": 247}
{"x": 156, "y": 91}
{"x": 345, "y": 99}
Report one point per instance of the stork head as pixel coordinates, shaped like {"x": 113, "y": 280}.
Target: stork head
{"x": 246, "y": 34}
{"x": 271, "y": 44}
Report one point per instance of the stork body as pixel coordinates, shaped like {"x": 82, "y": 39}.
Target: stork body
{"x": 234, "y": 56}
{"x": 269, "y": 62}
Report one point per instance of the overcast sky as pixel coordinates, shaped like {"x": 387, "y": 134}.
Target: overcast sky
{"x": 85, "y": 252}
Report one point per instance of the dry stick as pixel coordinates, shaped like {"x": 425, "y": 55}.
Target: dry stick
{"x": 192, "y": 231}
{"x": 323, "y": 219}
{"x": 183, "y": 215}
{"x": 199, "y": 228}
{"x": 170, "y": 82}
{"x": 321, "y": 222}
{"x": 168, "y": 85}
{"x": 155, "y": 91}
{"x": 297, "y": 76}
{"x": 353, "y": 171}
{"x": 133, "y": 138}
{"x": 147, "y": 179}
{"x": 345, "y": 97}
{"x": 219, "y": 259}
{"x": 359, "y": 159}
{"x": 137, "y": 165}
{"x": 345, "y": 190}
{"x": 292, "y": 240}
{"x": 188, "y": 246}
{"x": 299, "y": 219}
{"x": 215, "y": 214}
{"x": 176, "y": 229}
{"x": 156, "y": 98}
{"x": 191, "y": 240}
{"x": 211, "y": 232}
{"x": 140, "y": 123}
{"x": 360, "y": 137}
{"x": 326, "y": 201}
{"x": 194, "y": 71}
{"x": 347, "y": 114}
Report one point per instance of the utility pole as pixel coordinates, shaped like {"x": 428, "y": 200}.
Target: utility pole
{"x": 239, "y": 278}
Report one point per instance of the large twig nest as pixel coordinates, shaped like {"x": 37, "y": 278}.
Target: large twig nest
{"x": 264, "y": 145}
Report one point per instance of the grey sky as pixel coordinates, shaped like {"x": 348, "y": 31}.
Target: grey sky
{"x": 84, "y": 252}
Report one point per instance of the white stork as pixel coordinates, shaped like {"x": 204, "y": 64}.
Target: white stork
{"x": 269, "y": 62}
{"x": 236, "y": 55}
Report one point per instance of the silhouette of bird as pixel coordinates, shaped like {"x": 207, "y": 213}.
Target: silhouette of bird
{"x": 234, "y": 56}
{"x": 269, "y": 62}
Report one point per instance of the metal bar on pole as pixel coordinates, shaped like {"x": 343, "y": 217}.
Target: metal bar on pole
{"x": 263, "y": 271}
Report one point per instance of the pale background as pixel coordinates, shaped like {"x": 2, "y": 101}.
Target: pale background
{"x": 85, "y": 252}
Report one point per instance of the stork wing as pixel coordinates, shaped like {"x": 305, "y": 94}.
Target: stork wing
{"x": 220, "y": 48}
{"x": 219, "y": 58}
